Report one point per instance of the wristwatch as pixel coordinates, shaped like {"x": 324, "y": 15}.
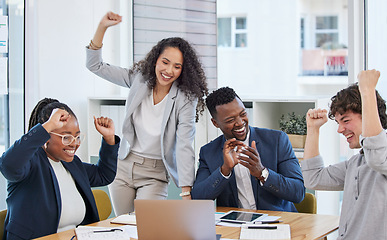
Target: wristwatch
{"x": 184, "y": 194}
{"x": 264, "y": 175}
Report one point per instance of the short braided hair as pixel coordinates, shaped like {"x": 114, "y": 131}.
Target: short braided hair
{"x": 43, "y": 109}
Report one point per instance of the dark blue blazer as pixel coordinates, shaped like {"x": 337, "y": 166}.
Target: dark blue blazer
{"x": 284, "y": 185}
{"x": 34, "y": 201}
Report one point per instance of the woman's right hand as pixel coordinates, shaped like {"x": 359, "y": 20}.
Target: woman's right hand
{"x": 58, "y": 119}
{"x": 110, "y": 19}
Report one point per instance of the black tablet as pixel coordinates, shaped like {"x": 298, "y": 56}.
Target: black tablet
{"x": 242, "y": 217}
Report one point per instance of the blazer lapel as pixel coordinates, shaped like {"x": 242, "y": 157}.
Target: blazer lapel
{"x": 254, "y": 182}
{"x": 55, "y": 182}
{"x": 78, "y": 177}
{"x": 169, "y": 105}
{"x": 138, "y": 97}
{"x": 82, "y": 184}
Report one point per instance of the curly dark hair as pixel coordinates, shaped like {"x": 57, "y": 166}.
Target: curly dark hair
{"x": 192, "y": 80}
{"x": 43, "y": 109}
{"x": 349, "y": 99}
{"x": 218, "y": 97}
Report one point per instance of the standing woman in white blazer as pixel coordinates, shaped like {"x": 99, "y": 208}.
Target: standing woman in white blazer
{"x": 167, "y": 90}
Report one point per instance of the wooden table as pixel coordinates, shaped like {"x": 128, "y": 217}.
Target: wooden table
{"x": 302, "y": 225}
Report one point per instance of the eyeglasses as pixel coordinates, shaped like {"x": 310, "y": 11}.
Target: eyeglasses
{"x": 67, "y": 139}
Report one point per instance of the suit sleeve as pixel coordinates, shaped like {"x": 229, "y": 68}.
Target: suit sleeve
{"x": 287, "y": 183}
{"x": 104, "y": 172}
{"x": 16, "y": 162}
{"x": 114, "y": 74}
{"x": 208, "y": 185}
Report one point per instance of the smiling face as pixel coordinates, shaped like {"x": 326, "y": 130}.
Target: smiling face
{"x": 168, "y": 67}
{"x": 232, "y": 119}
{"x": 350, "y": 125}
{"x": 56, "y": 150}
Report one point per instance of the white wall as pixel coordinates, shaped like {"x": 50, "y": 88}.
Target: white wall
{"x": 377, "y": 38}
{"x": 56, "y": 35}
{"x": 311, "y": 9}
{"x": 270, "y": 60}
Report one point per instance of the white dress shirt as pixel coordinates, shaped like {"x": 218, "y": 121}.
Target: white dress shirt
{"x": 243, "y": 180}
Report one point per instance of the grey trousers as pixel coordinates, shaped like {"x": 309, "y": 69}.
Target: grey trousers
{"x": 138, "y": 178}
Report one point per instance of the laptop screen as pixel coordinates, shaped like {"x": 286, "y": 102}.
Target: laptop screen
{"x": 175, "y": 219}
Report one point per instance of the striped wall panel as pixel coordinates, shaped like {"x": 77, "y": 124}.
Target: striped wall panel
{"x": 193, "y": 20}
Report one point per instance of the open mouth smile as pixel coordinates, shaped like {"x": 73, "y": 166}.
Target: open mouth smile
{"x": 167, "y": 77}
{"x": 70, "y": 152}
{"x": 241, "y": 130}
{"x": 348, "y": 136}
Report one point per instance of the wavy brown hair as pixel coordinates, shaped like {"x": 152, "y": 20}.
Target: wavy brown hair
{"x": 349, "y": 99}
{"x": 192, "y": 80}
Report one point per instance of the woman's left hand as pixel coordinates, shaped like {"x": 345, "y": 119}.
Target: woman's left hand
{"x": 105, "y": 126}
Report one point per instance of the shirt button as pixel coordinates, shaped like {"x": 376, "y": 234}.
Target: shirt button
{"x": 355, "y": 178}
{"x": 355, "y": 198}
{"x": 25, "y": 138}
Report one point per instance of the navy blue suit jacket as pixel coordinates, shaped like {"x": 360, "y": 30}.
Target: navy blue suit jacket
{"x": 34, "y": 200}
{"x": 283, "y": 186}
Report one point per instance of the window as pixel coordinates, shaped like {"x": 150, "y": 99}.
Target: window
{"x": 302, "y": 33}
{"x": 224, "y": 32}
{"x": 11, "y": 79}
{"x": 232, "y": 32}
{"x": 3, "y": 77}
{"x": 296, "y": 48}
{"x": 327, "y": 56}
{"x": 376, "y": 38}
{"x": 240, "y": 32}
{"x": 327, "y": 34}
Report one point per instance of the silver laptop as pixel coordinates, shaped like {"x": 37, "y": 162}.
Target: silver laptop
{"x": 175, "y": 219}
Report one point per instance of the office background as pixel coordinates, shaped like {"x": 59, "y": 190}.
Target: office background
{"x": 264, "y": 49}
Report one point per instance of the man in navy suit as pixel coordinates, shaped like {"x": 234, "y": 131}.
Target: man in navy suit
{"x": 246, "y": 167}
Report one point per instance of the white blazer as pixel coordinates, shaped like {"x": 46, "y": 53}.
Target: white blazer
{"x": 178, "y": 124}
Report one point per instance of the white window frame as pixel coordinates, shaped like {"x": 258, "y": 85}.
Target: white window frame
{"x": 356, "y": 39}
{"x": 235, "y": 31}
{"x": 327, "y": 30}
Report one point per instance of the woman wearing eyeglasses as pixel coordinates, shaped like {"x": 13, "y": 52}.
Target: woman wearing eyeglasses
{"x": 49, "y": 187}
